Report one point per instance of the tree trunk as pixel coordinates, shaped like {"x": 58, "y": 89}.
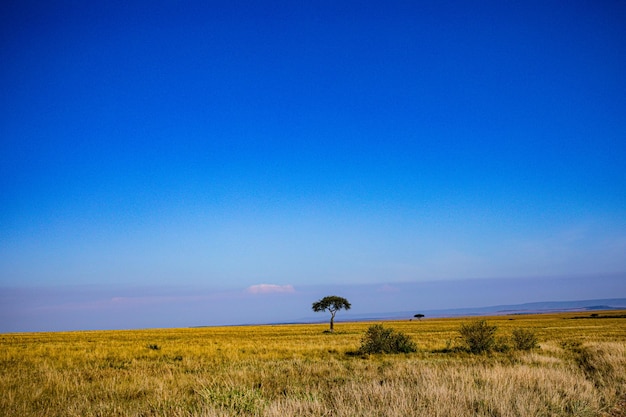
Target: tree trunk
{"x": 332, "y": 322}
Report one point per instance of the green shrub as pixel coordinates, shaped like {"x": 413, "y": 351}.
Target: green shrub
{"x": 379, "y": 339}
{"x": 479, "y": 336}
{"x": 524, "y": 339}
{"x": 502, "y": 344}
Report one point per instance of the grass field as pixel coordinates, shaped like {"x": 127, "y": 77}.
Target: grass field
{"x": 298, "y": 370}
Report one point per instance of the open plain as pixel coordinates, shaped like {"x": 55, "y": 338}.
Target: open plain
{"x": 579, "y": 369}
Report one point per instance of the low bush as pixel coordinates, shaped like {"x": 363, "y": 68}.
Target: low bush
{"x": 479, "y": 336}
{"x": 502, "y": 344}
{"x": 524, "y": 339}
{"x": 379, "y": 339}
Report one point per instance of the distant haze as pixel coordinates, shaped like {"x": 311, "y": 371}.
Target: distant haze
{"x": 110, "y": 307}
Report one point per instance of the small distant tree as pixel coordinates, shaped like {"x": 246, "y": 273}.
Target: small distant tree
{"x": 418, "y": 316}
{"x": 379, "y": 339}
{"x": 479, "y": 336}
{"x": 332, "y": 304}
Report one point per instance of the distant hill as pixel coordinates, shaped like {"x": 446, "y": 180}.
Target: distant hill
{"x": 526, "y": 308}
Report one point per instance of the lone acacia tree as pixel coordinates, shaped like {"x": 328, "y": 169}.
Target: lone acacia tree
{"x": 332, "y": 304}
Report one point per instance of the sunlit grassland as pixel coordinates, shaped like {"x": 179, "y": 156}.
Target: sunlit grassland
{"x": 298, "y": 370}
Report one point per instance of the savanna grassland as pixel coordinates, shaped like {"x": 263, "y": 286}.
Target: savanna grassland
{"x": 579, "y": 369}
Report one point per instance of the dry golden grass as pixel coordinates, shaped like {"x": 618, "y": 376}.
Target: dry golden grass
{"x": 297, "y": 370}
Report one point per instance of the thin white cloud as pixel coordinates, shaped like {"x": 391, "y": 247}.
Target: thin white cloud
{"x": 388, "y": 288}
{"x": 156, "y": 299}
{"x": 270, "y": 289}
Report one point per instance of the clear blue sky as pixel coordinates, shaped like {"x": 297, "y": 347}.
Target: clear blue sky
{"x": 205, "y": 148}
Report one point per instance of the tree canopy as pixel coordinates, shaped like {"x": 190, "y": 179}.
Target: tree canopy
{"x": 332, "y": 304}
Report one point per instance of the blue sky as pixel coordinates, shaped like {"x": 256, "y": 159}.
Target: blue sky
{"x": 178, "y": 149}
